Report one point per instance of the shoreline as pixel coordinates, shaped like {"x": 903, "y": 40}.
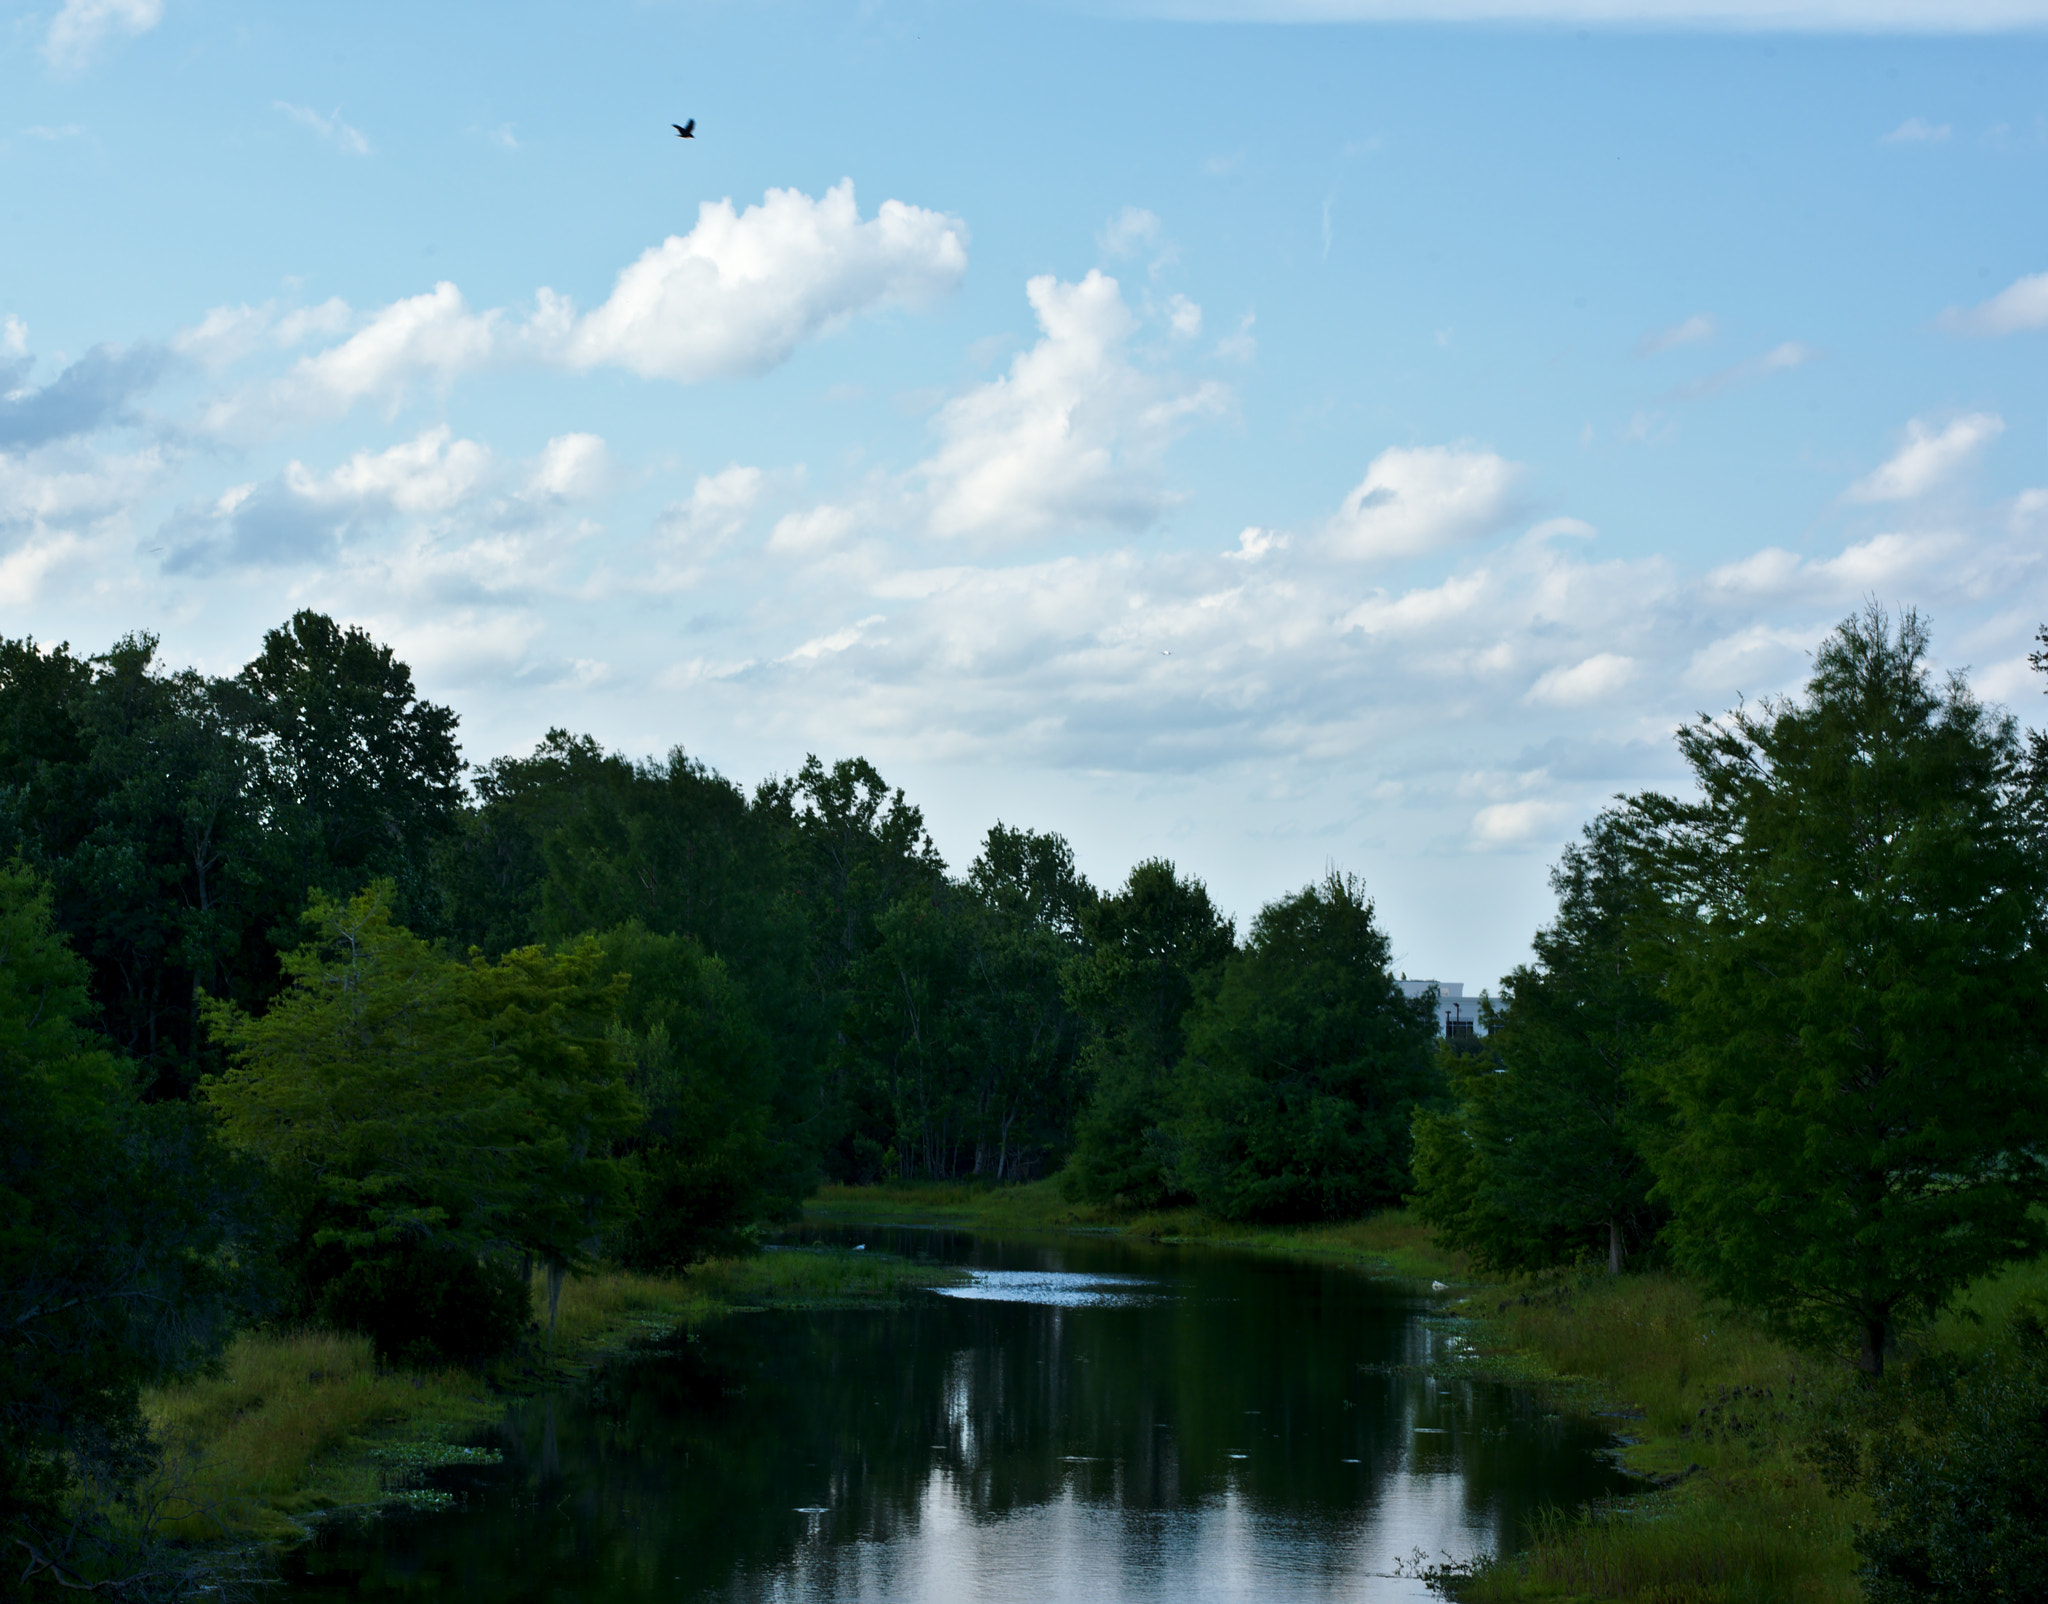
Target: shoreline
{"x": 299, "y": 1425}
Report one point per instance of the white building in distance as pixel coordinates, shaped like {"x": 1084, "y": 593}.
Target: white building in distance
{"x": 1456, "y": 1014}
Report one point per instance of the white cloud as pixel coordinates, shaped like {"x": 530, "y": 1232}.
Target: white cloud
{"x": 2020, "y": 306}
{"x": 740, "y": 291}
{"x": 433, "y": 335}
{"x": 1927, "y": 458}
{"x": 1514, "y": 824}
{"x": 1917, "y": 131}
{"x": 1072, "y": 435}
{"x": 82, "y": 26}
{"x": 349, "y": 141}
{"x": 228, "y": 334}
{"x": 719, "y": 506}
{"x": 13, "y": 336}
{"x": 572, "y": 467}
{"x": 429, "y": 473}
{"x": 1695, "y": 328}
{"x": 1781, "y": 358}
{"x": 1596, "y": 679}
{"x": 1132, "y": 230}
{"x": 1416, "y": 499}
{"x": 1183, "y": 316}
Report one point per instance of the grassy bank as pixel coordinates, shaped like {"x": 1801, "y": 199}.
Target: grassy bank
{"x": 296, "y": 1423}
{"x": 1393, "y": 1243}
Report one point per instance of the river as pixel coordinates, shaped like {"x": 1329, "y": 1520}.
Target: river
{"x": 1093, "y": 1420}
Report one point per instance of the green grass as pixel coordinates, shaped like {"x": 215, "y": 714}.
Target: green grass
{"x": 288, "y": 1426}
{"x": 298, "y": 1422}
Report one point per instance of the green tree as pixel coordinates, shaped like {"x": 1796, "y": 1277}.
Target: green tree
{"x": 1538, "y": 1159}
{"x": 427, "y": 1117}
{"x": 360, "y": 779}
{"x": 1149, "y": 945}
{"x": 706, "y": 1075}
{"x": 120, "y": 1229}
{"x": 1304, "y": 1068}
{"x": 1855, "y": 1110}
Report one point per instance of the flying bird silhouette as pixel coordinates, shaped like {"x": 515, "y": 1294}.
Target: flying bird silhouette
{"x": 686, "y": 130}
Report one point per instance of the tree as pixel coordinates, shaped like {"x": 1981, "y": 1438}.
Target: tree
{"x": 1304, "y": 1067}
{"x": 360, "y": 778}
{"x": 1538, "y": 1160}
{"x": 121, "y": 1229}
{"x": 1149, "y": 946}
{"x": 1854, "y": 1105}
{"x": 427, "y": 1117}
{"x": 706, "y": 1075}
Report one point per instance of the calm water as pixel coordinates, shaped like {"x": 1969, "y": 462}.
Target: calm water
{"x": 1095, "y": 1420}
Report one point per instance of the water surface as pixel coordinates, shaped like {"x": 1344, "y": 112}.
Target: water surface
{"x": 1092, "y": 1420}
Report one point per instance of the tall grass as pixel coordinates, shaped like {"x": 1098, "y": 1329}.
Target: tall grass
{"x": 278, "y": 1431}
{"x": 296, "y": 1422}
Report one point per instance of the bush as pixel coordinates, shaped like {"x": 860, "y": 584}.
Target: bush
{"x": 424, "y": 1304}
{"x": 1960, "y": 1488}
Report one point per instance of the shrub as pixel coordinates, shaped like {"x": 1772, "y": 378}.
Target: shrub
{"x": 423, "y": 1304}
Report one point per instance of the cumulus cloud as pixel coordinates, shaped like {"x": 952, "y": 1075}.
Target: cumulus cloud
{"x": 1595, "y": 679}
{"x": 736, "y": 295}
{"x": 97, "y": 390}
{"x": 2022, "y": 305}
{"x": 1417, "y": 499}
{"x": 82, "y": 26}
{"x": 1928, "y": 458}
{"x": 740, "y": 291}
{"x": 1073, "y": 434}
{"x": 349, "y": 141}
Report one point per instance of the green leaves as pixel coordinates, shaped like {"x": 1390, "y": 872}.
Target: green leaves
{"x": 1856, "y": 957}
{"x": 1305, "y": 1067}
{"x": 413, "y": 1096}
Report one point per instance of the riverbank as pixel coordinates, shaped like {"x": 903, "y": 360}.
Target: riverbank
{"x": 1729, "y": 1428}
{"x": 295, "y": 1424}
{"x": 1394, "y": 1243}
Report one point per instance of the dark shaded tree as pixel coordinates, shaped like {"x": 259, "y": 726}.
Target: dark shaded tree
{"x": 1304, "y": 1067}
{"x": 1854, "y": 1109}
{"x": 1537, "y": 1159}
{"x": 1149, "y": 946}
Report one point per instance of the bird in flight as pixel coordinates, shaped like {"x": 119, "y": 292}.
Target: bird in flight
{"x": 686, "y": 130}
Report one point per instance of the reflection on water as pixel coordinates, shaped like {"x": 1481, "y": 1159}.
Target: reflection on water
{"x": 1091, "y": 1420}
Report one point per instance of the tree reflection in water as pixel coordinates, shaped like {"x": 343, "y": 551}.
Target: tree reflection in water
{"x": 1210, "y": 1426}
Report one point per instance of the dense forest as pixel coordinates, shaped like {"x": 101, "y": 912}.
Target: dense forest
{"x": 303, "y": 1020}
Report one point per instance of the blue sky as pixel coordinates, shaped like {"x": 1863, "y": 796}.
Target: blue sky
{"x": 1272, "y": 436}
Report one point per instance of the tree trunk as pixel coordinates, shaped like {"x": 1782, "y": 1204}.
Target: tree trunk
{"x": 1613, "y": 1247}
{"x": 555, "y": 1271}
{"x": 1871, "y": 1360}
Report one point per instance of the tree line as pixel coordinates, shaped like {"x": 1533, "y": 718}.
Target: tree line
{"x": 302, "y": 1020}
{"x": 312, "y": 1023}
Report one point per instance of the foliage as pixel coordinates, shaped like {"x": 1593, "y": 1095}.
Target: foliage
{"x": 413, "y": 1107}
{"x": 1959, "y": 1484}
{"x": 959, "y": 1045}
{"x": 705, "y": 1074}
{"x": 1538, "y": 1159}
{"x": 120, "y": 1224}
{"x": 1304, "y": 1068}
{"x": 1149, "y": 946}
{"x": 1856, "y": 951}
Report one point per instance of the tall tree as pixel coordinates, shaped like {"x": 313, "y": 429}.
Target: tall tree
{"x": 360, "y": 778}
{"x": 427, "y": 1117}
{"x": 1538, "y": 1159}
{"x": 1149, "y": 946}
{"x": 125, "y": 1237}
{"x": 1857, "y": 951}
{"x": 1304, "y": 1068}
